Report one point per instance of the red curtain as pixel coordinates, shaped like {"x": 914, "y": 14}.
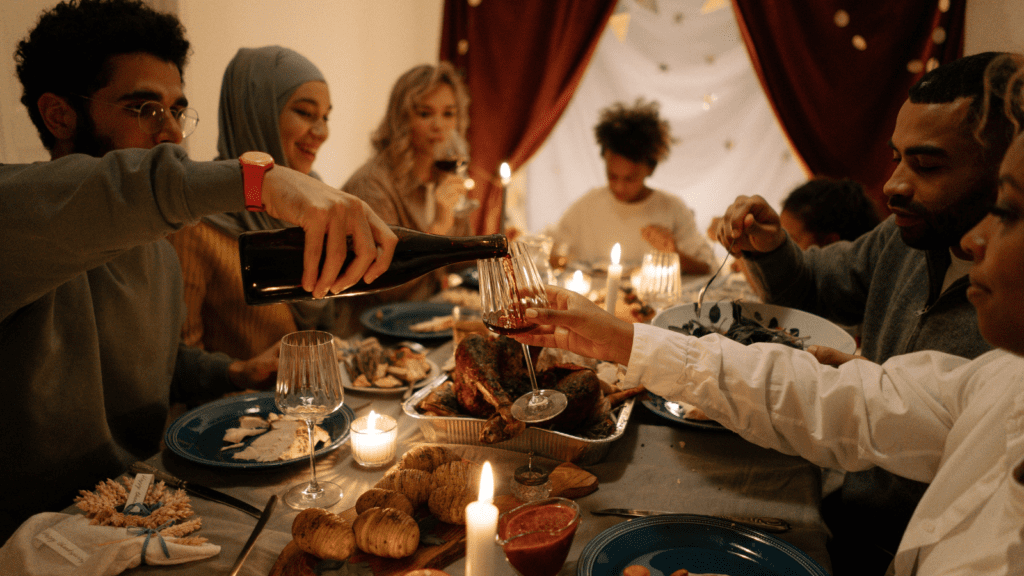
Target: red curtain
{"x": 837, "y": 72}
{"x": 522, "y": 61}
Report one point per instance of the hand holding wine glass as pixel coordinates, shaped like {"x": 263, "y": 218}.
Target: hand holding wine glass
{"x": 508, "y": 286}
{"x": 309, "y": 388}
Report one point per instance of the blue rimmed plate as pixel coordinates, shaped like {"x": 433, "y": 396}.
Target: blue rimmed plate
{"x": 395, "y": 319}
{"x": 700, "y": 544}
{"x": 198, "y": 435}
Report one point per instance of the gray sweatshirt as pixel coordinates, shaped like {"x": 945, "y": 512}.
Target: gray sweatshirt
{"x": 90, "y": 316}
{"x": 895, "y": 292}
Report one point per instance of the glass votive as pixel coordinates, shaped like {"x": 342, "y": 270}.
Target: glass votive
{"x": 374, "y": 438}
{"x": 578, "y": 282}
{"x": 531, "y": 483}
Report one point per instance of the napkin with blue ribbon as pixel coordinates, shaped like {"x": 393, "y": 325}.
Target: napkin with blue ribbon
{"x": 57, "y": 544}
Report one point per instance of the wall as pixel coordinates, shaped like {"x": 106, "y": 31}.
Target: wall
{"x": 361, "y": 45}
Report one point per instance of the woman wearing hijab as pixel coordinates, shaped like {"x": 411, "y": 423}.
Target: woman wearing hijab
{"x": 400, "y": 183}
{"x": 276, "y": 101}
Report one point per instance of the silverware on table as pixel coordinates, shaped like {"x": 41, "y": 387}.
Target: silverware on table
{"x": 268, "y": 510}
{"x": 763, "y": 523}
{"x": 196, "y": 489}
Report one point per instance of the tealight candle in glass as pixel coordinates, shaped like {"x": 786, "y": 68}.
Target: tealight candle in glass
{"x": 374, "y": 440}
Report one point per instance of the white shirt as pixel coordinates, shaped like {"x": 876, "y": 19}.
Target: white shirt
{"x": 928, "y": 416}
{"x": 597, "y": 221}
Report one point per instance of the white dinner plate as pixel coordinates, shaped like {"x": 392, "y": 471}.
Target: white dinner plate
{"x": 815, "y": 329}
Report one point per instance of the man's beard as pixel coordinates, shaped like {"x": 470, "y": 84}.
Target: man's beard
{"x": 945, "y": 229}
{"x": 87, "y": 141}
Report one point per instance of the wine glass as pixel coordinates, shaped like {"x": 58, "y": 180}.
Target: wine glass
{"x": 452, "y": 155}
{"x": 508, "y": 286}
{"x": 660, "y": 282}
{"x": 309, "y": 388}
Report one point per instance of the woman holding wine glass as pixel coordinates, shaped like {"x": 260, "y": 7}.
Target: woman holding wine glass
{"x": 413, "y": 179}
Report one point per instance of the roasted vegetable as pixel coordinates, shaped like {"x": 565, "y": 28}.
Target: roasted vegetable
{"x": 323, "y": 534}
{"x": 386, "y": 532}
{"x": 427, "y": 458}
{"x": 294, "y": 562}
{"x": 449, "y": 503}
{"x": 414, "y": 484}
{"x": 381, "y": 498}
{"x": 462, "y": 473}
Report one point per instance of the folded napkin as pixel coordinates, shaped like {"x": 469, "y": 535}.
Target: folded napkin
{"x": 56, "y": 544}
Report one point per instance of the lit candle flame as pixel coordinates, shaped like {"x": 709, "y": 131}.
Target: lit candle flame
{"x": 506, "y": 172}
{"x": 616, "y": 253}
{"x": 486, "y": 484}
{"x": 371, "y": 421}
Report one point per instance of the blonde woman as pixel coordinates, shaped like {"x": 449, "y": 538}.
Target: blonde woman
{"x": 400, "y": 182}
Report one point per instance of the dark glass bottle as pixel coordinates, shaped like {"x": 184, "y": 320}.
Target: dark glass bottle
{"x": 272, "y": 261}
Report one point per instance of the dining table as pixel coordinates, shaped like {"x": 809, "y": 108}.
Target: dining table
{"x": 658, "y": 463}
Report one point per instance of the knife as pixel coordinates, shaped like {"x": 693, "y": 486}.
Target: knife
{"x": 255, "y": 534}
{"x": 196, "y": 489}
{"x": 766, "y": 524}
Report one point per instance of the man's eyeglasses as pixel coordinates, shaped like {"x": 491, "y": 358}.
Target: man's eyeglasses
{"x": 152, "y": 116}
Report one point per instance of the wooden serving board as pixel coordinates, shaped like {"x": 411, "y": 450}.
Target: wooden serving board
{"x": 567, "y": 480}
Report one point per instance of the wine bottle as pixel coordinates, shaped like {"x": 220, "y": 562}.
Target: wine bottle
{"x": 272, "y": 261}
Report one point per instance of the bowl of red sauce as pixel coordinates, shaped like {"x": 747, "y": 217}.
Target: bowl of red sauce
{"x": 536, "y": 536}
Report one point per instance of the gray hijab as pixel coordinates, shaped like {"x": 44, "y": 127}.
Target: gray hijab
{"x": 257, "y": 84}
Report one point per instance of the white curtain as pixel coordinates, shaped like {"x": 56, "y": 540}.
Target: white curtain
{"x": 696, "y": 66}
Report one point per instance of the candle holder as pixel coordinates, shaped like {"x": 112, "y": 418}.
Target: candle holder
{"x": 374, "y": 438}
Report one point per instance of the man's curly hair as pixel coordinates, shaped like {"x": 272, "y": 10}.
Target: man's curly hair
{"x": 68, "y": 51}
{"x": 636, "y": 133}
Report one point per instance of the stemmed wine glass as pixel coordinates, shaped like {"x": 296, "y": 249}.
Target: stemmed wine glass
{"x": 508, "y": 286}
{"x": 309, "y": 388}
{"x": 452, "y": 156}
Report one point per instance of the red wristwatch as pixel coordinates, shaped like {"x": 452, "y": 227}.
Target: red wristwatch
{"x": 254, "y": 166}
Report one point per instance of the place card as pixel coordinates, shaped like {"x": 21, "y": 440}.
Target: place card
{"x": 60, "y": 544}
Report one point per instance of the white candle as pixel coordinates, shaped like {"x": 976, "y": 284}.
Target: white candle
{"x": 482, "y": 551}
{"x": 374, "y": 439}
{"x": 614, "y": 275}
{"x": 578, "y": 283}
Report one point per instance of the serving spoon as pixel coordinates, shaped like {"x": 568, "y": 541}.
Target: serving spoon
{"x": 700, "y": 295}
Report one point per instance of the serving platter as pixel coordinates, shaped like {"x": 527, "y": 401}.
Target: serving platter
{"x": 432, "y": 374}
{"x": 198, "y": 435}
{"x": 815, "y": 330}
{"x": 552, "y": 444}
{"x": 700, "y": 544}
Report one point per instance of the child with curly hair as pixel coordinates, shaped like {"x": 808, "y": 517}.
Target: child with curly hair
{"x": 626, "y": 211}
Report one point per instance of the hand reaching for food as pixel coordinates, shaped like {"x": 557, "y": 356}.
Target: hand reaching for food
{"x": 659, "y": 237}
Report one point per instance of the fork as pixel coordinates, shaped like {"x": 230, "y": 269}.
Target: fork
{"x": 700, "y": 295}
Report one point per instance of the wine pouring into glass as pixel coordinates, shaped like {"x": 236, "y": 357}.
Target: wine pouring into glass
{"x": 508, "y": 286}
{"x": 309, "y": 388}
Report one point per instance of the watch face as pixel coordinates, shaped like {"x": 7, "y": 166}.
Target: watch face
{"x": 257, "y": 158}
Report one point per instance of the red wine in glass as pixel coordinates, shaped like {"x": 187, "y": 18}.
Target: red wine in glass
{"x": 508, "y": 286}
